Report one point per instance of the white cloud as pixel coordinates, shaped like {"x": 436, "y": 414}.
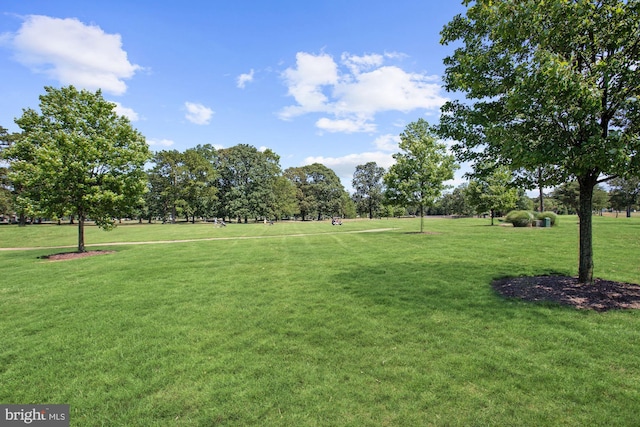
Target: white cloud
{"x": 243, "y": 79}
{"x": 345, "y": 125}
{"x": 358, "y": 63}
{"x": 198, "y": 113}
{"x": 306, "y": 82}
{"x": 125, "y": 111}
{"x": 387, "y": 142}
{"x": 389, "y": 88}
{"x": 73, "y": 53}
{"x": 354, "y": 93}
{"x": 160, "y": 142}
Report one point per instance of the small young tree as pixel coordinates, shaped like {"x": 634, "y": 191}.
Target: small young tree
{"x": 78, "y": 157}
{"x": 492, "y": 193}
{"x": 421, "y": 168}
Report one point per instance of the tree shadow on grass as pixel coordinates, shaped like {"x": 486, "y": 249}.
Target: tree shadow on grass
{"x": 429, "y": 286}
{"x": 416, "y": 286}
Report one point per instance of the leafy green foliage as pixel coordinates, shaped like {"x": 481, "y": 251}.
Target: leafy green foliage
{"x": 198, "y": 183}
{"x": 492, "y": 192}
{"x": 455, "y": 202}
{"x": 569, "y": 195}
{"x": 319, "y": 191}
{"x": 368, "y": 186}
{"x": 247, "y": 178}
{"x": 285, "y": 204}
{"x": 520, "y": 218}
{"x": 422, "y": 166}
{"x": 164, "y": 198}
{"x": 539, "y": 96}
{"x": 625, "y": 193}
{"x": 553, "y": 218}
{"x": 77, "y": 157}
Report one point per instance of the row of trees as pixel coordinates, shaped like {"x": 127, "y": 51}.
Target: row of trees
{"x": 76, "y": 158}
{"x": 61, "y": 166}
{"x": 239, "y": 183}
{"x": 242, "y": 182}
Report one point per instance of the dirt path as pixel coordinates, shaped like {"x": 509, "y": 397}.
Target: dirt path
{"x": 160, "y": 242}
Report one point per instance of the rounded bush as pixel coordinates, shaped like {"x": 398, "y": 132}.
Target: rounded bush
{"x": 551, "y": 215}
{"x": 520, "y": 218}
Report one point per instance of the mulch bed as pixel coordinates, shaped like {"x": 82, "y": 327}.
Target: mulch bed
{"x": 601, "y": 295}
{"x": 64, "y": 256}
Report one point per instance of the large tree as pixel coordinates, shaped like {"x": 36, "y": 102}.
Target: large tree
{"x": 165, "y": 197}
{"x": 78, "y": 157}
{"x": 246, "y": 181}
{"x": 285, "y": 203}
{"x": 369, "y": 188}
{"x": 319, "y": 190}
{"x": 6, "y": 205}
{"x": 423, "y": 165}
{"x": 552, "y": 83}
{"x": 199, "y": 175}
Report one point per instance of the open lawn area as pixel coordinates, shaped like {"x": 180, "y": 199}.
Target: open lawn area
{"x": 308, "y": 324}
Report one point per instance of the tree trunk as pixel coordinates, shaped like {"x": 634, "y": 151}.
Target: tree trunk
{"x": 585, "y": 264}
{"x": 493, "y": 214}
{"x": 81, "y": 247}
{"x": 421, "y": 219}
{"x": 541, "y": 192}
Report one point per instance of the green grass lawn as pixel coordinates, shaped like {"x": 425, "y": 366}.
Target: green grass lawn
{"x": 305, "y": 324}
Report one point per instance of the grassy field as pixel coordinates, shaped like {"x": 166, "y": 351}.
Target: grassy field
{"x": 305, "y": 324}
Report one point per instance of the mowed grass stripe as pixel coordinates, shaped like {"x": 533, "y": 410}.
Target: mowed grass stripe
{"x": 390, "y": 328}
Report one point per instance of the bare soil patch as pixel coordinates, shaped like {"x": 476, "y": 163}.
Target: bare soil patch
{"x": 601, "y": 295}
{"x": 65, "y": 256}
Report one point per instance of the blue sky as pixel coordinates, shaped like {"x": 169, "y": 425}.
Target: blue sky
{"x": 333, "y": 81}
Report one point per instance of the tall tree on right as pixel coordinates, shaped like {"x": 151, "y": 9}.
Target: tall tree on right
{"x": 548, "y": 82}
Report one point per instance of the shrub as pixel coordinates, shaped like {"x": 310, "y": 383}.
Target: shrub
{"x": 551, "y": 215}
{"x": 520, "y": 218}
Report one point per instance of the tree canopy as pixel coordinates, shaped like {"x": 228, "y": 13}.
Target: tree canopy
{"x": 319, "y": 190}
{"x": 246, "y": 181}
{"x": 492, "y": 193}
{"x": 77, "y": 157}
{"x": 423, "y": 165}
{"x": 368, "y": 186}
{"x": 548, "y": 83}
{"x": 625, "y": 193}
